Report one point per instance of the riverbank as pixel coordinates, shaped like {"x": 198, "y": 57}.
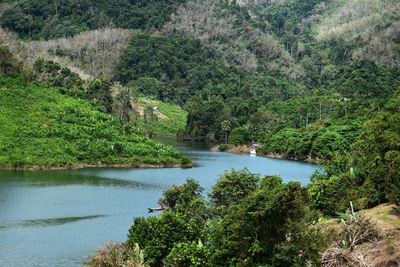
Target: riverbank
{"x": 242, "y": 149}
{"x": 97, "y": 165}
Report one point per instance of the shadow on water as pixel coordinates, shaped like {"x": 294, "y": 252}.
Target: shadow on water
{"x": 48, "y": 222}
{"x": 65, "y": 178}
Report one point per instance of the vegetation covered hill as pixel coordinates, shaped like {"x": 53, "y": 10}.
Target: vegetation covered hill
{"x": 40, "y": 127}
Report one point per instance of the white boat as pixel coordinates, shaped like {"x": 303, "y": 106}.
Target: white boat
{"x": 253, "y": 152}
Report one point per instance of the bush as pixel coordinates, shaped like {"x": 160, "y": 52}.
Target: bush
{"x": 356, "y": 229}
{"x": 240, "y": 136}
{"x": 116, "y": 254}
{"x": 188, "y": 254}
{"x": 222, "y": 147}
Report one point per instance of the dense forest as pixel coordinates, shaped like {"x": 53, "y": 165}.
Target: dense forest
{"x": 315, "y": 79}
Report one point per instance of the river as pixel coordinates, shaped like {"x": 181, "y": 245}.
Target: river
{"x": 58, "y": 218}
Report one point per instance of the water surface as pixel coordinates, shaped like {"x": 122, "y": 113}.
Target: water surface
{"x": 57, "y": 218}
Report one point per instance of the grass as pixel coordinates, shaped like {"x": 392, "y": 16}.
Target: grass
{"x": 386, "y": 216}
{"x": 167, "y": 121}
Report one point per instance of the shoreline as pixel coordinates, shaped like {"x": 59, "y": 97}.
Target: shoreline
{"x": 92, "y": 165}
{"x": 246, "y": 149}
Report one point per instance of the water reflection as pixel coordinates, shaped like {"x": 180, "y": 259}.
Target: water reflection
{"x": 64, "y": 178}
{"x": 48, "y": 222}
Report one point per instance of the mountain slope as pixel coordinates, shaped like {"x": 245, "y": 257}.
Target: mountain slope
{"x": 232, "y": 35}
{"x": 41, "y": 127}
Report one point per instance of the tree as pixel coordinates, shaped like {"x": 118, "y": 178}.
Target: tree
{"x": 255, "y": 231}
{"x": 101, "y": 90}
{"x": 180, "y": 196}
{"x": 377, "y": 155}
{"x": 240, "y": 136}
{"x": 232, "y": 187}
{"x": 157, "y": 236}
{"x": 226, "y": 127}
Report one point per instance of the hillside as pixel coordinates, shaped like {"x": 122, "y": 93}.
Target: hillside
{"x": 166, "y": 120}
{"x": 42, "y": 128}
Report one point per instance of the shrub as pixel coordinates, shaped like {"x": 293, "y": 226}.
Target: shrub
{"x": 356, "y": 229}
{"x": 188, "y": 254}
{"x": 222, "y": 147}
{"x": 117, "y": 254}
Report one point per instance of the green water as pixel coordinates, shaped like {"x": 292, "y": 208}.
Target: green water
{"x": 57, "y": 218}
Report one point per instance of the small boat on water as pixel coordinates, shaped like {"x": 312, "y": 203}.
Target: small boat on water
{"x": 154, "y": 209}
{"x": 253, "y": 149}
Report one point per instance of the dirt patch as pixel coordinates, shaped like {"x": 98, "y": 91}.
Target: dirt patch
{"x": 386, "y": 216}
{"x": 138, "y": 108}
{"x": 161, "y": 116}
{"x": 233, "y": 149}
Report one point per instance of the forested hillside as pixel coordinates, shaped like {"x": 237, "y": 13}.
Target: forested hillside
{"x": 46, "y": 19}
{"x": 44, "y": 127}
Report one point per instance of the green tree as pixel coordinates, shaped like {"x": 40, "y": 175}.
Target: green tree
{"x": 226, "y": 127}
{"x": 157, "y": 236}
{"x": 231, "y": 188}
{"x": 101, "y": 90}
{"x": 377, "y": 155}
{"x": 240, "y": 136}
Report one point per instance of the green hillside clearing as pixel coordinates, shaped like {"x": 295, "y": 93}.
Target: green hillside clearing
{"x": 41, "y": 128}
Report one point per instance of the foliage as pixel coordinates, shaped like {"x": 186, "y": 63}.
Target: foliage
{"x": 222, "y": 147}
{"x": 117, "y": 254}
{"x": 377, "y": 156}
{"x": 203, "y": 117}
{"x": 232, "y": 187}
{"x": 53, "y": 74}
{"x": 171, "y": 67}
{"x": 169, "y": 119}
{"x": 101, "y": 90}
{"x": 365, "y": 79}
{"x": 180, "y": 196}
{"x": 45, "y": 19}
{"x": 255, "y": 231}
{"x": 188, "y": 254}
{"x": 8, "y": 64}
{"x": 367, "y": 176}
{"x": 240, "y": 136}
{"x": 158, "y": 236}
{"x": 138, "y": 14}
{"x": 41, "y": 126}
{"x": 257, "y": 224}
